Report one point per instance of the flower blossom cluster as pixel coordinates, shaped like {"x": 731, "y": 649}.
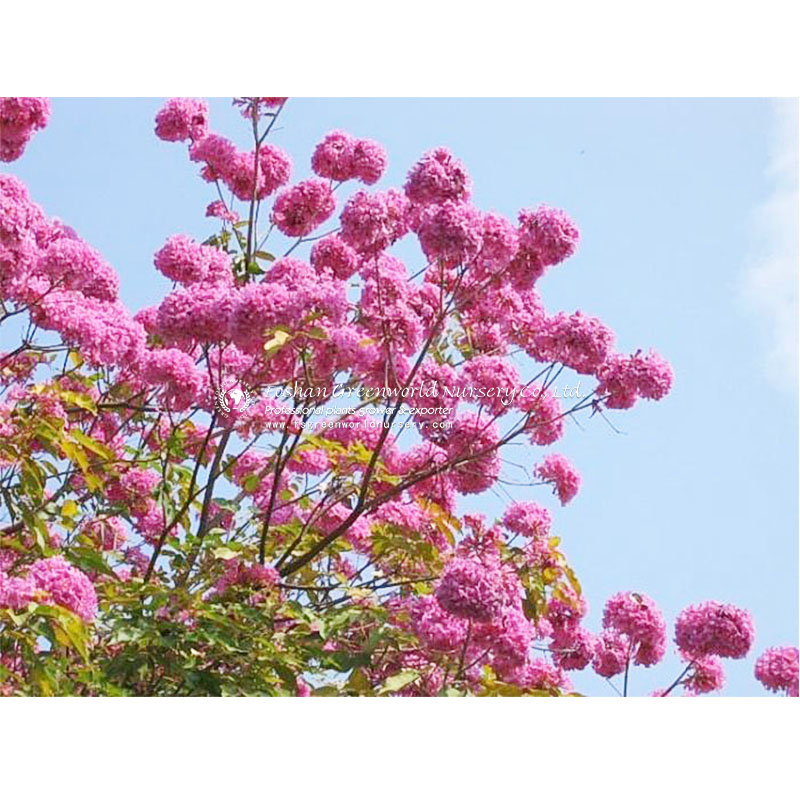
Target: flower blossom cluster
{"x": 777, "y": 669}
{"x": 559, "y": 471}
{"x": 713, "y": 628}
{"x": 342, "y": 157}
{"x": 637, "y": 619}
{"x": 476, "y": 610}
{"x": 50, "y": 581}
{"x": 20, "y": 118}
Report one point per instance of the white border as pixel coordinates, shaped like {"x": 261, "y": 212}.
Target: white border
{"x": 413, "y": 48}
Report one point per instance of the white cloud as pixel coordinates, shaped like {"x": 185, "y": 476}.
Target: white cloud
{"x": 770, "y": 280}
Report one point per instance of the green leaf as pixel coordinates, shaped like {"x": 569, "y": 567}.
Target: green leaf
{"x": 75, "y": 454}
{"x": 396, "y": 682}
{"x": 80, "y": 400}
{"x": 251, "y": 483}
{"x": 90, "y": 444}
{"x": 359, "y": 683}
{"x": 68, "y": 628}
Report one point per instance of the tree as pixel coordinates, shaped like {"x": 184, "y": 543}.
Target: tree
{"x": 251, "y": 488}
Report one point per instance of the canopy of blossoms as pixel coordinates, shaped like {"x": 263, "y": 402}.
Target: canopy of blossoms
{"x": 254, "y": 486}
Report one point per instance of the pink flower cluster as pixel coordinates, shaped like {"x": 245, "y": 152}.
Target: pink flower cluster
{"x": 373, "y": 222}
{"x": 237, "y": 573}
{"x": 476, "y": 611}
{"x": 528, "y": 519}
{"x": 547, "y": 236}
{"x": 181, "y": 259}
{"x": 707, "y": 675}
{"x": 468, "y": 589}
{"x": 713, "y": 628}
{"x": 636, "y": 618}
{"x": 50, "y": 581}
{"x": 777, "y": 669}
{"x": 625, "y": 378}
{"x": 256, "y": 174}
{"x": 341, "y": 157}
{"x": 300, "y": 209}
{"x": 438, "y": 177}
{"x": 182, "y": 119}
{"x": 20, "y": 118}
{"x": 559, "y": 471}
{"x": 545, "y": 422}
{"x": 471, "y": 444}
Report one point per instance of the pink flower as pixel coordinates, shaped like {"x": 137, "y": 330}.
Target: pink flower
{"x": 528, "y": 519}
{"x": 470, "y": 590}
{"x": 219, "y": 210}
{"x": 310, "y": 462}
{"x": 473, "y": 440}
{"x": 72, "y": 264}
{"x": 255, "y": 106}
{"x": 109, "y": 533}
{"x": 182, "y": 118}
{"x": 183, "y": 260}
{"x": 451, "y": 232}
{"x": 610, "y": 654}
{"x": 499, "y": 242}
{"x": 302, "y": 208}
{"x": 104, "y": 333}
{"x": 16, "y": 592}
{"x": 545, "y": 422}
{"x": 138, "y": 483}
{"x": 436, "y": 628}
{"x": 624, "y": 378}
{"x": 369, "y": 161}
{"x": 777, "y": 669}
{"x": 373, "y": 222}
{"x": 566, "y": 480}
{"x": 217, "y": 153}
{"x": 637, "y": 617}
{"x": 336, "y": 255}
{"x": 274, "y": 170}
{"x": 713, "y": 628}
{"x": 707, "y": 675}
{"x": 386, "y": 305}
{"x": 539, "y": 675}
{"x": 547, "y": 236}
{"x": 573, "y": 648}
{"x": 567, "y": 610}
{"x": 65, "y": 585}
{"x": 492, "y": 381}
{"x": 20, "y": 118}
{"x": 575, "y": 340}
{"x": 237, "y": 573}
{"x": 437, "y": 177}
{"x": 176, "y": 373}
{"x": 333, "y": 157}
{"x": 199, "y": 312}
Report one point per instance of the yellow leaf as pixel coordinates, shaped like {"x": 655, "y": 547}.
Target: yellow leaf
{"x": 278, "y": 340}
{"x": 69, "y": 509}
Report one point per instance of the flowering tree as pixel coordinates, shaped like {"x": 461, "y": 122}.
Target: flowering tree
{"x": 252, "y": 488}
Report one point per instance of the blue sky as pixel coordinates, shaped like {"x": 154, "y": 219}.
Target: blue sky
{"x": 688, "y": 224}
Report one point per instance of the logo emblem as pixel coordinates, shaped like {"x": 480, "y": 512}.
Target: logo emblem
{"x": 233, "y": 400}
